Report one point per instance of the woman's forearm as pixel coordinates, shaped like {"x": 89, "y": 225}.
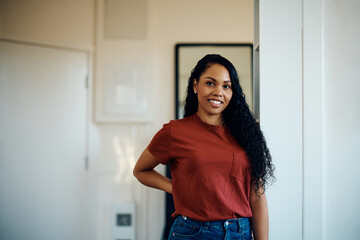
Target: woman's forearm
{"x": 260, "y": 219}
{"x": 146, "y": 174}
{"x": 152, "y": 178}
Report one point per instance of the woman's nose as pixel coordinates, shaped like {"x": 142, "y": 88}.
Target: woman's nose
{"x": 217, "y": 92}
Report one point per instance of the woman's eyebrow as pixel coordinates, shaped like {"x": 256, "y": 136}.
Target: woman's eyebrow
{"x": 216, "y": 80}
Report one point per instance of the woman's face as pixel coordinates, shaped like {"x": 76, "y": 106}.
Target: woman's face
{"x": 213, "y": 90}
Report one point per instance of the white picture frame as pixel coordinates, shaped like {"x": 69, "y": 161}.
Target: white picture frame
{"x": 122, "y": 95}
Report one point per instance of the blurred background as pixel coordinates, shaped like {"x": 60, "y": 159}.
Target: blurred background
{"x": 85, "y": 84}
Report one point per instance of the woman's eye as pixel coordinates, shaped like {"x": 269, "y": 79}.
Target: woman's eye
{"x": 227, "y": 86}
{"x": 210, "y": 83}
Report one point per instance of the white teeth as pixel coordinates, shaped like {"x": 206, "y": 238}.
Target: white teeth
{"x": 215, "y": 101}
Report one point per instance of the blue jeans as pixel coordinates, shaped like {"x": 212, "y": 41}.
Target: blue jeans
{"x": 186, "y": 228}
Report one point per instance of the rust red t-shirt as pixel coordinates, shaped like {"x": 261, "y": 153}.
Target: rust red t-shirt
{"x": 210, "y": 171}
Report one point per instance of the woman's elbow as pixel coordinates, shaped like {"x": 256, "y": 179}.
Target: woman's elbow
{"x": 145, "y": 163}
{"x": 135, "y": 171}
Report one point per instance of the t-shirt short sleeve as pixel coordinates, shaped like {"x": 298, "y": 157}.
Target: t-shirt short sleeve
{"x": 160, "y": 145}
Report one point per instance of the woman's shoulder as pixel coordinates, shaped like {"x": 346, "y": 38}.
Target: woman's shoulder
{"x": 180, "y": 125}
{"x": 182, "y": 122}
{"x": 177, "y": 124}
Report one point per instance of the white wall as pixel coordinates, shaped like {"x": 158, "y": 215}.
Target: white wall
{"x": 341, "y": 126}
{"x": 309, "y": 111}
{"x": 62, "y": 23}
{"x": 281, "y": 112}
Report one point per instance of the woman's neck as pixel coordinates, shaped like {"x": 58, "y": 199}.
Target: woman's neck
{"x": 211, "y": 119}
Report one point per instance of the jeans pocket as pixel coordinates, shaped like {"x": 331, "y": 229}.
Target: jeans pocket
{"x": 240, "y": 167}
{"x": 183, "y": 229}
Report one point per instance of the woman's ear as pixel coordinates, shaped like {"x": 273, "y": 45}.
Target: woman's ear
{"x": 195, "y": 86}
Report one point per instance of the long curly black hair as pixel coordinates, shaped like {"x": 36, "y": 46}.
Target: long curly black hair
{"x": 239, "y": 119}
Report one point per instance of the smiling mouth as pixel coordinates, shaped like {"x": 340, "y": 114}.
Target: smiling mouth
{"x": 217, "y": 102}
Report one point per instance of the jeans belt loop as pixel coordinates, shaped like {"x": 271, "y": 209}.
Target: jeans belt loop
{"x": 239, "y": 224}
{"x": 206, "y": 225}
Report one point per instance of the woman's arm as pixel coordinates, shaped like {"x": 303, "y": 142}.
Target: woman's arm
{"x": 260, "y": 219}
{"x": 145, "y": 173}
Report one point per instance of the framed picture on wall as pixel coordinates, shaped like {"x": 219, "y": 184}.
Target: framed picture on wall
{"x": 122, "y": 94}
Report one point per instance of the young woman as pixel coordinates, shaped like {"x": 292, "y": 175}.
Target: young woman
{"x": 218, "y": 157}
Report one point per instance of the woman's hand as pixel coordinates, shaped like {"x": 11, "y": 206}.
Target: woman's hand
{"x": 145, "y": 173}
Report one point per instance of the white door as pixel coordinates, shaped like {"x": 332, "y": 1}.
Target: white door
{"x": 43, "y": 181}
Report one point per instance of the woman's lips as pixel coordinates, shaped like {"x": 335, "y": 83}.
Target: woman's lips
{"x": 215, "y": 103}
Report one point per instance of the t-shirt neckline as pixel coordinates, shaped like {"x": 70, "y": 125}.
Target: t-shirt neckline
{"x": 209, "y": 126}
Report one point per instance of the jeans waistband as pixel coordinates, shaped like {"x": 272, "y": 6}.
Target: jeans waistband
{"x": 217, "y": 223}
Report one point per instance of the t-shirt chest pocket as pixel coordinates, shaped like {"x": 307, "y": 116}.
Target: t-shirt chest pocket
{"x": 240, "y": 168}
